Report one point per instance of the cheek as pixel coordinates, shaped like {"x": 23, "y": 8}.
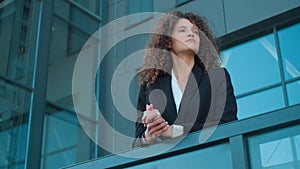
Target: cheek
{"x": 199, "y": 43}
{"x": 176, "y": 43}
{"x": 199, "y": 40}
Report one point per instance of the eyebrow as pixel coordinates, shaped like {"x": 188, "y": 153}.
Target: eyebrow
{"x": 194, "y": 27}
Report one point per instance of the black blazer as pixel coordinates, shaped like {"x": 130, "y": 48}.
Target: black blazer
{"x": 208, "y": 100}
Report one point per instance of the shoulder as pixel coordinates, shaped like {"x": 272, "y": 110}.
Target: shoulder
{"x": 227, "y": 74}
{"x": 219, "y": 75}
{"x": 158, "y": 81}
{"x": 219, "y": 71}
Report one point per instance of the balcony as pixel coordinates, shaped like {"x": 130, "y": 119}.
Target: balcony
{"x": 270, "y": 140}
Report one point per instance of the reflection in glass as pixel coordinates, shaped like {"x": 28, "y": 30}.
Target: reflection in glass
{"x": 203, "y": 158}
{"x": 278, "y": 149}
{"x": 6, "y": 25}
{"x": 75, "y": 16}
{"x": 91, "y": 5}
{"x": 181, "y": 1}
{"x": 14, "y": 114}
{"x": 62, "y": 159}
{"x": 137, "y": 7}
{"x": 16, "y": 60}
{"x": 290, "y": 51}
{"x": 259, "y": 103}
{"x": 271, "y": 152}
{"x": 70, "y": 30}
{"x": 66, "y": 43}
{"x": 252, "y": 65}
{"x": 293, "y": 90}
{"x": 65, "y": 142}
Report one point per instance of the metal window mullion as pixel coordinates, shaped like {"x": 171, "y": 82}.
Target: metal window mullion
{"x": 80, "y": 7}
{"x": 294, "y": 153}
{"x": 71, "y": 24}
{"x": 42, "y": 12}
{"x": 239, "y": 152}
{"x": 15, "y": 83}
{"x": 45, "y": 143}
{"x": 292, "y": 80}
{"x": 280, "y": 62}
{"x": 261, "y": 89}
{"x": 103, "y": 13}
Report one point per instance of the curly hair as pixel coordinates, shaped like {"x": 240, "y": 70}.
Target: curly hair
{"x": 159, "y": 62}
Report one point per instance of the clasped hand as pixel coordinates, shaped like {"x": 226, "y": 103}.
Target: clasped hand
{"x": 156, "y": 124}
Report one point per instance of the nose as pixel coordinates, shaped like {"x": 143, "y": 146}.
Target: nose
{"x": 191, "y": 33}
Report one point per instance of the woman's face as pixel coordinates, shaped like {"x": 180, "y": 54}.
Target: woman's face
{"x": 185, "y": 37}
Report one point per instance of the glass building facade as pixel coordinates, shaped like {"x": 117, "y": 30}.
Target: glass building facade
{"x": 270, "y": 64}
{"x": 41, "y": 40}
{"x": 38, "y": 40}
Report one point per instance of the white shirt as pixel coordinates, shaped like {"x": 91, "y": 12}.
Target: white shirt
{"x": 177, "y": 93}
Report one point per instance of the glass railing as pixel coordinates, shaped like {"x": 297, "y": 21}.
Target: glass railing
{"x": 268, "y": 140}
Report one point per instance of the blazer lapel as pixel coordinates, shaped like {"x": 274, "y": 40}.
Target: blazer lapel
{"x": 170, "y": 110}
{"x": 192, "y": 88}
{"x": 170, "y": 113}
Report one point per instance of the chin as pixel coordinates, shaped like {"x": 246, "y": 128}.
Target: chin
{"x": 193, "y": 50}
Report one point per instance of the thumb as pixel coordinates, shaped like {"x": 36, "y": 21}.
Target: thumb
{"x": 149, "y": 107}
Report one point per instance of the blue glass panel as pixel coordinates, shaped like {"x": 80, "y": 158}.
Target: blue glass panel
{"x": 134, "y": 6}
{"x": 65, "y": 139}
{"x": 6, "y": 25}
{"x": 204, "y": 158}
{"x": 91, "y": 5}
{"x": 293, "y": 90}
{"x": 290, "y": 50}
{"x": 277, "y": 149}
{"x": 70, "y": 30}
{"x": 259, "y": 103}
{"x": 137, "y": 7}
{"x": 66, "y": 43}
{"x": 13, "y": 144}
{"x": 252, "y": 65}
{"x": 59, "y": 133}
{"x": 16, "y": 58}
{"x": 61, "y": 159}
{"x": 14, "y": 115}
{"x": 147, "y": 6}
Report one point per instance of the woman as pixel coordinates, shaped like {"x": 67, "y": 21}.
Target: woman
{"x": 179, "y": 92}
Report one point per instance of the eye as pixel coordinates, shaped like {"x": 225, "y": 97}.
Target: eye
{"x": 181, "y": 30}
{"x": 196, "y": 31}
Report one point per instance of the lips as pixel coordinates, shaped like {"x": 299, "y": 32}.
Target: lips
{"x": 191, "y": 40}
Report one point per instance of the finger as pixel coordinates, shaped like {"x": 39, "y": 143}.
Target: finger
{"x": 160, "y": 130}
{"x": 144, "y": 118}
{"x": 147, "y": 112}
{"x": 158, "y": 127}
{"x": 148, "y": 117}
{"x": 155, "y": 122}
{"x": 152, "y": 117}
{"x": 151, "y": 113}
{"x": 149, "y": 107}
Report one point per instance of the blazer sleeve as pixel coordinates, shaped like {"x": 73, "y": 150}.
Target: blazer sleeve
{"x": 224, "y": 107}
{"x": 139, "y": 126}
{"x": 230, "y": 109}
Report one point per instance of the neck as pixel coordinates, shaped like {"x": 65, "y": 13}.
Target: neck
{"x": 182, "y": 66}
